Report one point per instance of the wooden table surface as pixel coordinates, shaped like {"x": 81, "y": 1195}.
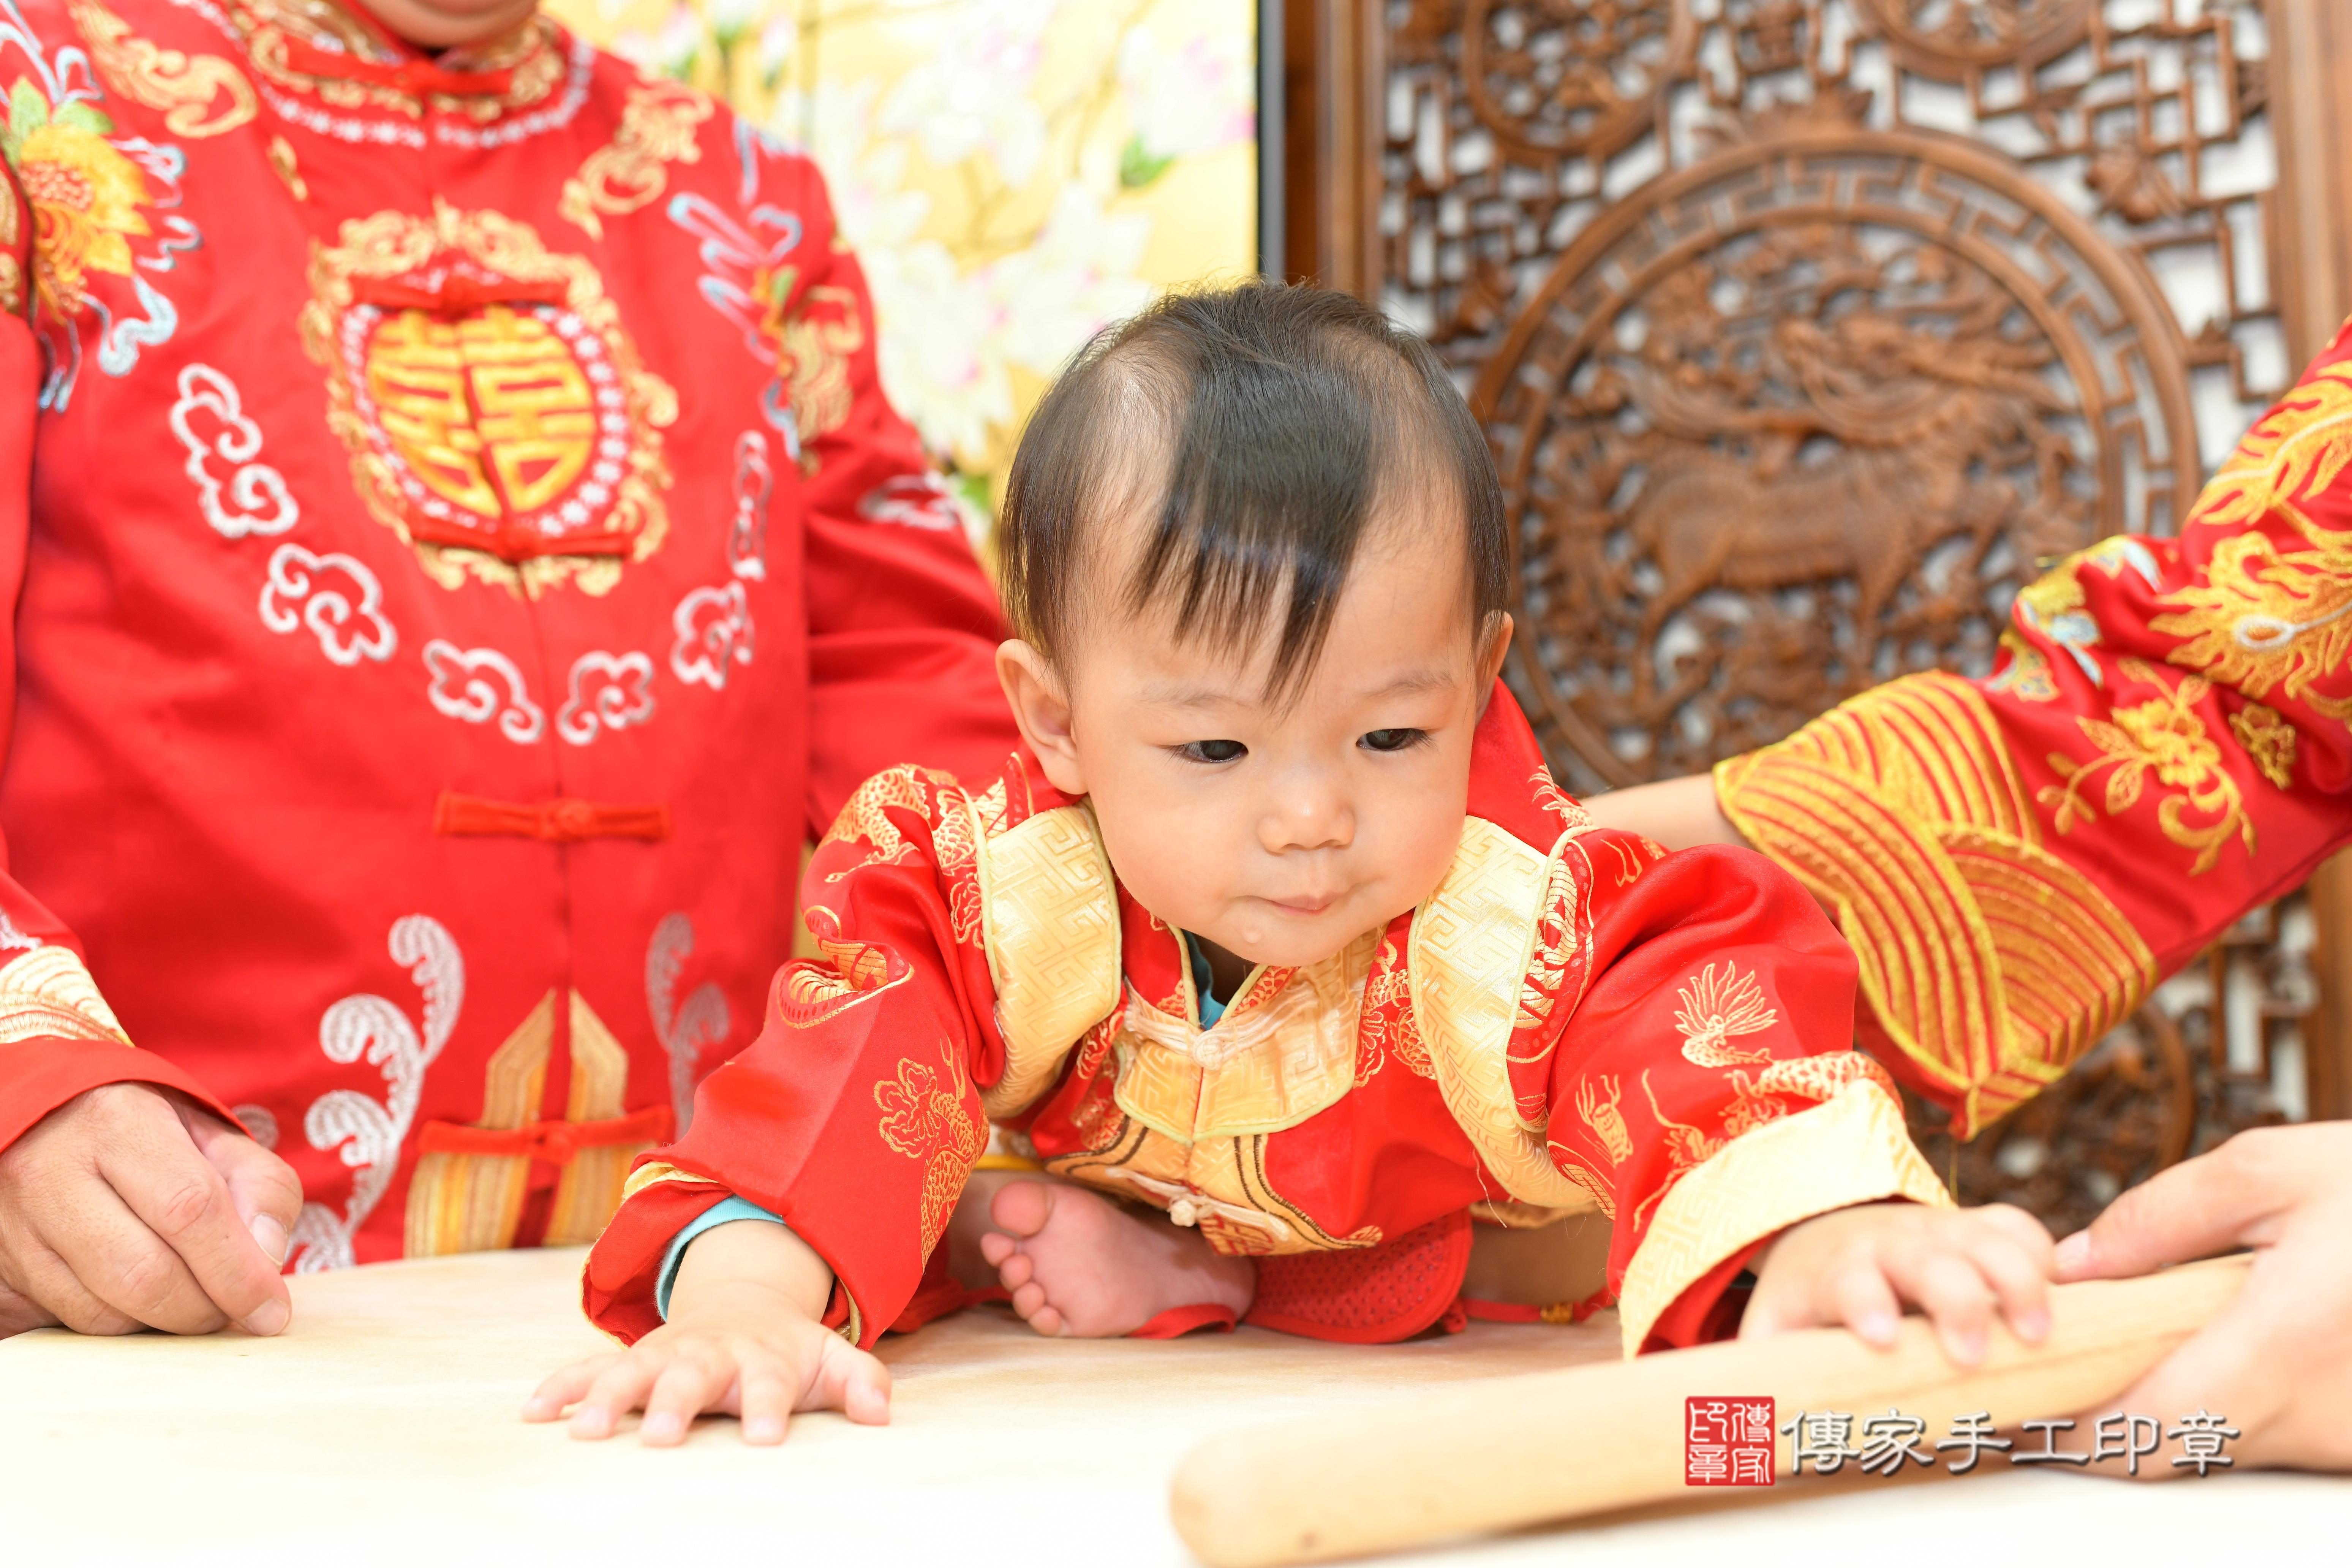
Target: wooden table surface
{"x": 382, "y": 1428}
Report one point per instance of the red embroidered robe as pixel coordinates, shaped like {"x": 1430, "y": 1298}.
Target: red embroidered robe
{"x": 2161, "y": 747}
{"x": 458, "y": 552}
{"x": 1575, "y": 1019}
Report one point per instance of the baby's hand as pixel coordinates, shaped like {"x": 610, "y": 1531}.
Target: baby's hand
{"x": 742, "y": 1339}
{"x": 1858, "y": 1265}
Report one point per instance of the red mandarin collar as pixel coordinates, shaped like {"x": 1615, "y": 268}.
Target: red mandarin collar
{"x": 415, "y": 73}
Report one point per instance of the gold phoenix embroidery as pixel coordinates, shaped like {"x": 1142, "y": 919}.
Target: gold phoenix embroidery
{"x": 2264, "y": 618}
{"x": 2292, "y": 453}
{"x": 658, "y": 127}
{"x": 185, "y": 86}
{"x": 923, "y": 1118}
{"x": 1602, "y": 1115}
{"x": 1714, "y": 1010}
{"x": 2164, "y": 736}
{"x": 2250, "y": 623}
{"x": 2269, "y": 740}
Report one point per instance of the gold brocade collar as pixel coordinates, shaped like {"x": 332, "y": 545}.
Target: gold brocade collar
{"x": 345, "y": 58}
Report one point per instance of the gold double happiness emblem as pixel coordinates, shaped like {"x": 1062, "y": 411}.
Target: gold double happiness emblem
{"x": 496, "y": 415}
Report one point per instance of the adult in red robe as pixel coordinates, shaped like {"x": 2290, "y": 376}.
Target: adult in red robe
{"x": 458, "y": 552}
{"x": 2164, "y": 743}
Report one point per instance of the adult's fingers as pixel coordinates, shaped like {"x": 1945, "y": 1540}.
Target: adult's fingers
{"x": 2214, "y": 1371}
{"x": 2194, "y": 1209}
{"x": 115, "y": 1257}
{"x": 2271, "y": 1365}
{"x": 264, "y": 1189}
{"x": 52, "y": 1284}
{"x": 19, "y": 1312}
{"x": 162, "y": 1177}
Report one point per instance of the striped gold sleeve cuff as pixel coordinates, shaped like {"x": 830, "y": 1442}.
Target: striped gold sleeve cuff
{"x": 1850, "y": 1149}
{"x": 1991, "y": 963}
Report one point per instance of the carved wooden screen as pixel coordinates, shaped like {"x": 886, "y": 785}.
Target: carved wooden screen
{"x": 1806, "y": 331}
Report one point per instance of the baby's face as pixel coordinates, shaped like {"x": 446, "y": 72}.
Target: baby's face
{"x": 1278, "y": 830}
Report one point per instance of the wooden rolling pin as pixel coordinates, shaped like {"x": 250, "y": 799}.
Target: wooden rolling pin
{"x": 1470, "y": 1457}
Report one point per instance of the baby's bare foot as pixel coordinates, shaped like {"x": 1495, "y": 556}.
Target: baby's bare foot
{"x": 1081, "y": 1267}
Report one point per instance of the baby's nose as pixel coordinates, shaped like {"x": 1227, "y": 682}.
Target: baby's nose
{"x": 1308, "y": 820}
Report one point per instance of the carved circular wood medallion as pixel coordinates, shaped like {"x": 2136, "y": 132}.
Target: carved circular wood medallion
{"x": 1803, "y": 417}
{"x": 1949, "y": 38}
{"x": 1557, "y": 77}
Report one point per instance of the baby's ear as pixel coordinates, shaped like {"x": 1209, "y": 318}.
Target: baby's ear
{"x": 1042, "y": 707}
{"x": 1493, "y": 648}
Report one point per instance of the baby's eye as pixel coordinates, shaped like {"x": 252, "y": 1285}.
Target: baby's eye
{"x": 1391, "y": 740}
{"x": 1211, "y": 751}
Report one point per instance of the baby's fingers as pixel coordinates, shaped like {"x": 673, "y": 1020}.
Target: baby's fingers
{"x": 767, "y": 1397}
{"x": 853, "y": 1382}
{"x": 562, "y": 1388}
{"x": 2018, "y": 1273}
{"x": 1953, "y": 1294}
{"x": 699, "y": 1378}
{"x": 620, "y": 1388}
{"x": 1860, "y": 1297}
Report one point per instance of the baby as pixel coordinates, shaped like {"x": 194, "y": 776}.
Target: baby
{"x": 1276, "y": 923}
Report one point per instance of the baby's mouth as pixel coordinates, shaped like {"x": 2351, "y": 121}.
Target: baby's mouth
{"x": 1306, "y": 905}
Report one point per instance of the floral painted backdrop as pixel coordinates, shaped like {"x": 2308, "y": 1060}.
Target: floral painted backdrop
{"x": 1013, "y": 173}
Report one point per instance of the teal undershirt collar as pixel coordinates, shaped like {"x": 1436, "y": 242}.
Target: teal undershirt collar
{"x": 1211, "y": 1009}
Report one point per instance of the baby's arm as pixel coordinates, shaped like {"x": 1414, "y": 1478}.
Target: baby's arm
{"x": 1858, "y": 1265}
{"x": 744, "y": 1338}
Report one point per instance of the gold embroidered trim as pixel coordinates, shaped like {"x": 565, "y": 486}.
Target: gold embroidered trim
{"x": 1851, "y": 1150}
{"x": 1990, "y": 962}
{"x": 1049, "y": 919}
{"x": 658, "y": 127}
{"x": 48, "y": 992}
{"x": 1472, "y": 944}
{"x": 183, "y": 85}
{"x": 1259, "y": 1071}
{"x": 657, "y": 1170}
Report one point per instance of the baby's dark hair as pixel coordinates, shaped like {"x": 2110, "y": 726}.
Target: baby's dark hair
{"x": 1278, "y": 418}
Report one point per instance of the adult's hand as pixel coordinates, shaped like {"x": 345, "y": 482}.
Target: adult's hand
{"x": 2277, "y": 1363}
{"x": 126, "y": 1208}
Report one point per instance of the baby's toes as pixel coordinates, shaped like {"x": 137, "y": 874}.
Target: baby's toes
{"x": 1029, "y": 1299}
{"x": 1047, "y": 1321}
{"x": 1015, "y": 1269}
{"x": 1022, "y": 1207}
{"x": 996, "y": 1247}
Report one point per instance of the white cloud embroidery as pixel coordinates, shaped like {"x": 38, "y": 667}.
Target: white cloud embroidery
{"x": 480, "y": 684}
{"x": 714, "y": 629}
{"x": 257, "y": 500}
{"x": 333, "y": 596}
{"x": 609, "y": 691}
